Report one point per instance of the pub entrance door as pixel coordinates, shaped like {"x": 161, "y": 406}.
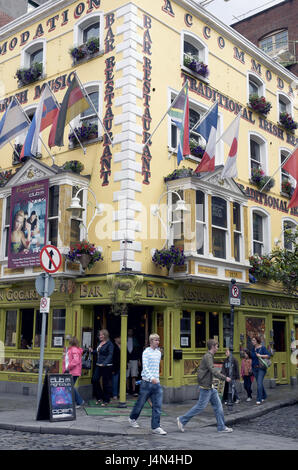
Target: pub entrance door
{"x": 280, "y": 363}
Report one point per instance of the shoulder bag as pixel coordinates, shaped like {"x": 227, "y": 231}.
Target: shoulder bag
{"x": 264, "y": 363}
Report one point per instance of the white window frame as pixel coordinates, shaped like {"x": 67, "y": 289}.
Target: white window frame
{"x": 86, "y": 21}
{"x": 33, "y": 46}
{"x": 263, "y": 151}
{"x": 251, "y": 76}
{"x": 281, "y": 96}
{"x": 226, "y": 230}
{"x": 204, "y": 226}
{"x": 285, "y": 152}
{"x": 266, "y": 229}
{"x": 290, "y": 221}
{"x": 197, "y": 42}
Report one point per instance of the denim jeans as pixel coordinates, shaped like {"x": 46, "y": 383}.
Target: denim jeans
{"x": 153, "y": 391}
{"x": 259, "y": 375}
{"x": 115, "y": 384}
{"x": 205, "y": 397}
{"x": 79, "y": 400}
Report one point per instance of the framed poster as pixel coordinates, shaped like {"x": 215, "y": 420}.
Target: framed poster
{"x": 28, "y": 223}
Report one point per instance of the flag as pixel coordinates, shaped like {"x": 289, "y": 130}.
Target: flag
{"x": 44, "y": 116}
{"x": 291, "y": 166}
{"x": 207, "y": 128}
{"x": 179, "y": 113}
{"x": 230, "y": 137}
{"x": 74, "y": 103}
{"x": 13, "y": 123}
{"x": 207, "y": 122}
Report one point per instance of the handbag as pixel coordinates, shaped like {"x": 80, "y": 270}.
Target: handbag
{"x": 264, "y": 363}
{"x": 86, "y": 361}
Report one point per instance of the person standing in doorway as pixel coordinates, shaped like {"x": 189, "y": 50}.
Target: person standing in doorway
{"x": 103, "y": 369}
{"x": 133, "y": 360}
{"x": 150, "y": 387}
{"x": 208, "y": 393}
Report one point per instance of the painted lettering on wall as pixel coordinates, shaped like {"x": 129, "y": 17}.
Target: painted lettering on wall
{"x": 50, "y": 25}
{"x": 106, "y": 158}
{"x": 146, "y": 118}
{"x": 167, "y": 8}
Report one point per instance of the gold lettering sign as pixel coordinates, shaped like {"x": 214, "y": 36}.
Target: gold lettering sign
{"x": 13, "y": 295}
{"x": 207, "y": 270}
{"x": 87, "y": 291}
{"x": 156, "y": 292}
{"x": 235, "y": 274}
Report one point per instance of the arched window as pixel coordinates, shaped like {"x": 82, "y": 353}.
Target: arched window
{"x": 288, "y": 225}
{"x": 89, "y": 27}
{"x": 257, "y": 153}
{"x": 34, "y": 53}
{"x": 255, "y": 85}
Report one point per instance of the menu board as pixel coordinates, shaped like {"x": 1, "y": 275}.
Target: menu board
{"x": 57, "y": 401}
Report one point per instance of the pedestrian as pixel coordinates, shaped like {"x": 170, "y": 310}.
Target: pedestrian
{"x": 116, "y": 367}
{"x": 225, "y": 370}
{"x": 150, "y": 386}
{"x": 259, "y": 351}
{"x": 246, "y": 373}
{"x": 103, "y": 369}
{"x": 208, "y": 393}
{"x": 133, "y": 361}
{"x": 72, "y": 364}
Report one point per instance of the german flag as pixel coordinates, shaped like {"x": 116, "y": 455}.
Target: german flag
{"x": 73, "y": 104}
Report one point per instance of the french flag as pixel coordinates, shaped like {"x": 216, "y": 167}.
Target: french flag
{"x": 44, "y": 116}
{"x": 208, "y": 128}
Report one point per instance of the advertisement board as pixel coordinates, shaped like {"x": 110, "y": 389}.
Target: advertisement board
{"x": 28, "y": 223}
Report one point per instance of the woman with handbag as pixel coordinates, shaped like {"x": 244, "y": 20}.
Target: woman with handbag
{"x": 72, "y": 364}
{"x": 247, "y": 374}
{"x": 259, "y": 371}
{"x": 103, "y": 369}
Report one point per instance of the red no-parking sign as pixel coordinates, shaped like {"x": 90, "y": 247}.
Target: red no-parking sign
{"x": 50, "y": 258}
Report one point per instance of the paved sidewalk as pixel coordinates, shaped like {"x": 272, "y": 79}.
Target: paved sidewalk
{"x": 18, "y": 413}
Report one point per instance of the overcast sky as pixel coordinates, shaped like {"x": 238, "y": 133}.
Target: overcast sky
{"x": 235, "y": 10}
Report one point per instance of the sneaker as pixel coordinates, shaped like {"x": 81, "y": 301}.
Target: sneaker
{"x": 258, "y": 403}
{"x": 237, "y": 401}
{"x": 248, "y": 399}
{"x": 159, "y": 431}
{"x": 180, "y": 425}
{"x": 226, "y": 429}
{"x": 133, "y": 423}
{"x": 263, "y": 400}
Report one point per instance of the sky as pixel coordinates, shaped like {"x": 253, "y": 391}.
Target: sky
{"x": 232, "y": 11}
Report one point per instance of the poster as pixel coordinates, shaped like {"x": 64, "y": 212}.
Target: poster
{"x": 28, "y": 224}
{"x": 61, "y": 397}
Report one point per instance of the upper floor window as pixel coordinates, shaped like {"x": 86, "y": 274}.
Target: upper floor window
{"x": 34, "y": 53}
{"x": 255, "y": 85}
{"x": 53, "y": 215}
{"x": 89, "y": 115}
{"x": 200, "y": 222}
{"x": 90, "y": 27}
{"x": 219, "y": 227}
{"x": 260, "y": 232}
{"x": 193, "y": 49}
{"x": 237, "y": 233}
{"x": 274, "y": 42}
{"x": 284, "y": 104}
{"x": 88, "y": 120}
{"x": 257, "y": 149}
{"x": 287, "y": 242}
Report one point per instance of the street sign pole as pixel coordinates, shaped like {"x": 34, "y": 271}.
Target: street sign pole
{"x": 231, "y": 349}
{"x": 42, "y": 342}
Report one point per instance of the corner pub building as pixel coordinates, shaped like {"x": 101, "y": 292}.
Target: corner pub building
{"x": 138, "y": 68}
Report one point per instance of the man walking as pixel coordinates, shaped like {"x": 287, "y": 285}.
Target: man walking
{"x": 207, "y": 392}
{"x": 150, "y": 387}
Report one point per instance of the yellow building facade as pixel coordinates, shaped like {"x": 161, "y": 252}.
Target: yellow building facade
{"x": 138, "y": 67}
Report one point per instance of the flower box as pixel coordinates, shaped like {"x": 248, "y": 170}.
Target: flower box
{"x": 259, "y": 179}
{"x": 180, "y": 173}
{"x": 168, "y": 257}
{"x": 259, "y": 104}
{"x": 287, "y": 122}
{"x": 193, "y": 64}
{"x": 84, "y": 133}
{"x": 85, "y": 51}
{"x": 73, "y": 165}
{"x": 29, "y": 75}
{"x": 287, "y": 188}
{"x": 85, "y": 253}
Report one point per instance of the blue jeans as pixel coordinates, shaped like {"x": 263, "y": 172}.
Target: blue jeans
{"x": 153, "y": 391}
{"x": 205, "y": 397}
{"x": 115, "y": 384}
{"x": 259, "y": 375}
{"x": 78, "y": 398}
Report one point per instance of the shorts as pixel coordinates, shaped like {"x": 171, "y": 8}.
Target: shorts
{"x": 132, "y": 368}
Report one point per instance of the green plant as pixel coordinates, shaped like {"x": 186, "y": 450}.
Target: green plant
{"x": 196, "y": 149}
{"x": 259, "y": 179}
{"x": 168, "y": 257}
{"x": 287, "y": 188}
{"x": 259, "y": 104}
{"x": 29, "y": 75}
{"x": 84, "y": 248}
{"x": 88, "y": 48}
{"x": 285, "y": 262}
{"x": 74, "y": 165}
{"x": 180, "y": 173}
{"x": 287, "y": 122}
{"x": 196, "y": 65}
{"x": 84, "y": 132}
{"x": 261, "y": 267}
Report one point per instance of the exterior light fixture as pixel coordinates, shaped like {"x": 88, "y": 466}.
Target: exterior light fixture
{"x": 77, "y": 209}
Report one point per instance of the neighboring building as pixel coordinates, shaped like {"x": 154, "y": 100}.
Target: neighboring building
{"x": 275, "y": 31}
{"x": 139, "y": 68}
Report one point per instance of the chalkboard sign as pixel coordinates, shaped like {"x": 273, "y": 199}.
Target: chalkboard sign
{"x": 57, "y": 402}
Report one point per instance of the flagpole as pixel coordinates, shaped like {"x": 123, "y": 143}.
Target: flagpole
{"x": 171, "y": 105}
{"x": 92, "y": 105}
{"x": 29, "y": 122}
{"x": 73, "y": 130}
{"x": 280, "y": 166}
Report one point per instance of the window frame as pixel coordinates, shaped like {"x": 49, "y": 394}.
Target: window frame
{"x": 266, "y": 228}
{"x": 262, "y": 142}
{"x": 198, "y": 43}
{"x": 226, "y": 230}
{"x": 287, "y": 102}
{"x": 257, "y": 81}
{"x": 273, "y": 35}
{"x": 294, "y": 225}
{"x": 32, "y": 47}
{"x": 85, "y": 22}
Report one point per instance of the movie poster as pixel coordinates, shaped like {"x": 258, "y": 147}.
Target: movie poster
{"x": 28, "y": 224}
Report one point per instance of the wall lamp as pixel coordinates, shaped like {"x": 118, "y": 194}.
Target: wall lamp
{"x": 77, "y": 209}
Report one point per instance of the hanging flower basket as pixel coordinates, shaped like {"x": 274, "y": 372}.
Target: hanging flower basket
{"x": 84, "y": 252}
{"x": 261, "y": 267}
{"x": 86, "y": 50}
{"x": 29, "y": 75}
{"x": 259, "y": 179}
{"x": 84, "y": 133}
{"x": 5, "y": 177}
{"x": 168, "y": 257}
{"x": 259, "y": 104}
{"x": 196, "y": 66}
{"x": 287, "y": 122}
{"x": 74, "y": 165}
{"x": 287, "y": 188}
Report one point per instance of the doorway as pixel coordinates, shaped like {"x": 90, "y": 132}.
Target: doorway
{"x": 280, "y": 365}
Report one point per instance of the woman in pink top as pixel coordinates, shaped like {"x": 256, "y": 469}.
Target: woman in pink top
{"x": 72, "y": 364}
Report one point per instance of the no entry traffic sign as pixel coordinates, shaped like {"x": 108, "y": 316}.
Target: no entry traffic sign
{"x": 50, "y": 258}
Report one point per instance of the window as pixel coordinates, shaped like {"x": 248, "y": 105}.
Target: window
{"x": 274, "y": 42}
{"x": 200, "y": 328}
{"x": 90, "y": 32}
{"x": 6, "y": 225}
{"x": 261, "y": 235}
{"x": 194, "y": 48}
{"x": 11, "y": 328}
{"x": 284, "y": 105}
{"x": 89, "y": 27}
{"x": 177, "y": 218}
{"x": 185, "y": 330}
{"x": 53, "y": 215}
{"x": 285, "y": 177}
{"x": 288, "y": 225}
{"x": 38, "y": 326}
{"x": 89, "y": 115}
{"x": 258, "y": 153}
{"x": 255, "y": 85}
{"x": 58, "y": 328}
{"x": 200, "y": 222}
{"x": 34, "y": 53}
{"x": 75, "y": 223}
{"x": 27, "y": 324}
{"x": 214, "y": 326}
{"x": 219, "y": 227}
{"x": 236, "y": 230}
